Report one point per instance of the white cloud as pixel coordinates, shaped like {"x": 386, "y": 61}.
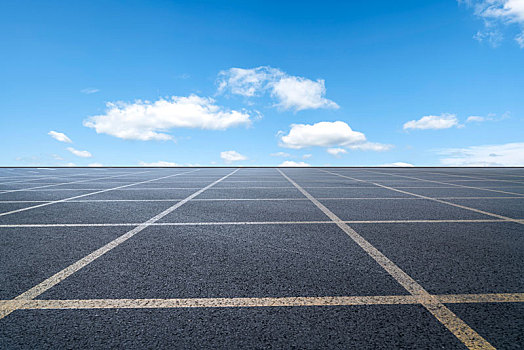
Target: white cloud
{"x": 509, "y": 154}
{"x": 443, "y": 121}
{"x": 323, "y": 134}
{"x": 248, "y": 82}
{"x": 95, "y": 165}
{"x": 144, "y": 120}
{"x": 280, "y": 154}
{"x": 398, "y": 164}
{"x": 159, "y": 163}
{"x": 336, "y": 151}
{"x": 306, "y": 156}
{"x": 291, "y": 92}
{"x": 89, "y": 91}
{"x": 232, "y": 156}
{"x": 83, "y": 154}
{"x": 497, "y": 14}
{"x": 300, "y": 93}
{"x": 475, "y": 118}
{"x": 292, "y": 163}
{"x": 371, "y": 146}
{"x": 59, "y": 136}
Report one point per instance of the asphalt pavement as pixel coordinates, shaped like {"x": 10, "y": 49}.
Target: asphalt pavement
{"x": 306, "y": 258}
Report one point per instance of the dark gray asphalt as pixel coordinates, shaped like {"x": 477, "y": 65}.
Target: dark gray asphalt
{"x": 264, "y": 260}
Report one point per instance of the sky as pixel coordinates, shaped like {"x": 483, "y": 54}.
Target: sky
{"x": 340, "y": 83}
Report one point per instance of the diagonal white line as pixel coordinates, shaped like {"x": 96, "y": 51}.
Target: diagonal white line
{"x": 451, "y": 321}
{"x": 430, "y": 198}
{"x": 71, "y": 182}
{"x": 71, "y": 269}
{"x": 90, "y": 194}
{"x": 447, "y": 183}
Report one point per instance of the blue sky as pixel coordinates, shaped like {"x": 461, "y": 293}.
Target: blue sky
{"x": 262, "y": 83}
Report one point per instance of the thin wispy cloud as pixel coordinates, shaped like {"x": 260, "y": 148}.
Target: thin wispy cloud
{"x": 89, "y": 91}
{"x": 59, "y": 136}
{"x": 280, "y": 154}
{"x": 497, "y": 16}
{"x": 290, "y": 92}
{"x": 509, "y": 154}
{"x": 144, "y": 120}
{"x": 78, "y": 153}
{"x": 435, "y": 122}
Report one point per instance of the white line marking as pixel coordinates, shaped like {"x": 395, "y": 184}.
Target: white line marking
{"x": 68, "y": 183}
{"x": 447, "y": 183}
{"x": 432, "y": 199}
{"x": 89, "y": 194}
{"x": 76, "y": 304}
{"x": 220, "y": 223}
{"x": 451, "y": 321}
{"x": 71, "y": 269}
{"x": 247, "y": 199}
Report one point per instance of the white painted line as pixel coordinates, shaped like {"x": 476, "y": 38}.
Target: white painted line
{"x": 68, "y": 183}
{"x": 77, "y": 304}
{"x": 474, "y": 177}
{"x": 432, "y": 199}
{"x": 448, "y": 183}
{"x": 452, "y": 322}
{"x": 224, "y": 223}
{"x": 88, "y": 194}
{"x": 71, "y": 269}
{"x": 247, "y": 199}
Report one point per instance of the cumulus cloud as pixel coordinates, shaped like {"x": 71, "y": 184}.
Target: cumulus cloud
{"x": 232, "y": 156}
{"x": 338, "y": 136}
{"x": 336, "y": 151}
{"x": 443, "y": 121}
{"x": 59, "y": 136}
{"x": 322, "y": 134}
{"x": 496, "y": 15}
{"x": 280, "y": 154}
{"x": 95, "y": 165}
{"x": 509, "y": 154}
{"x": 144, "y": 120}
{"x": 292, "y": 163}
{"x": 397, "y": 164}
{"x": 290, "y": 92}
{"x": 83, "y": 154}
{"x": 159, "y": 163}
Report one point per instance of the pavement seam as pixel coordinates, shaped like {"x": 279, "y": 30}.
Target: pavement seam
{"x": 452, "y": 322}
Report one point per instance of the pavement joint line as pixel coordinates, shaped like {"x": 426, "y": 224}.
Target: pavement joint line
{"x": 67, "y": 183}
{"x": 76, "y": 304}
{"x": 447, "y": 183}
{"x": 219, "y": 223}
{"x": 90, "y": 194}
{"x": 433, "y": 199}
{"x": 452, "y": 322}
{"x": 246, "y": 199}
{"x": 58, "y": 277}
